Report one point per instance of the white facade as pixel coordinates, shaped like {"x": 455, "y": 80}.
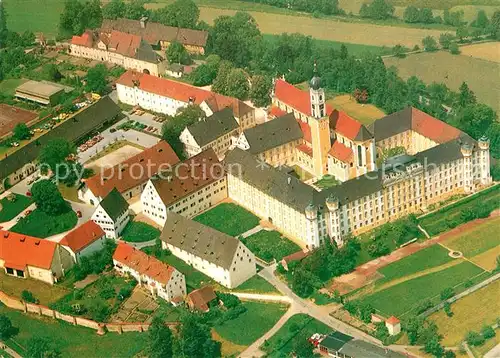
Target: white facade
{"x": 220, "y": 145}
{"x": 88, "y": 250}
{"x": 242, "y": 266}
{"x": 187, "y": 206}
{"x": 175, "y": 287}
{"x": 113, "y": 229}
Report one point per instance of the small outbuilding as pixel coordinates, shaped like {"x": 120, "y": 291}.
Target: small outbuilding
{"x": 201, "y": 299}
{"x": 393, "y": 325}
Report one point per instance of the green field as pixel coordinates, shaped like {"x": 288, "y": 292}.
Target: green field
{"x": 229, "y": 218}
{"x": 269, "y": 245}
{"x": 436, "y": 222}
{"x": 427, "y": 258}
{"x": 41, "y": 225}
{"x": 402, "y": 297}
{"x": 9, "y": 210}
{"x": 301, "y": 326}
{"x": 34, "y": 15}
{"x": 252, "y": 324}
{"x": 257, "y": 284}
{"x": 72, "y": 341}
{"x": 8, "y": 87}
{"x": 139, "y": 232}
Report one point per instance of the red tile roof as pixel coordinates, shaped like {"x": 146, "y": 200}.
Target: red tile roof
{"x": 295, "y": 98}
{"x": 341, "y": 152}
{"x": 19, "y": 251}
{"x": 124, "y": 43}
{"x": 392, "y": 320}
{"x": 218, "y": 102}
{"x": 144, "y": 264}
{"x": 305, "y": 149}
{"x": 201, "y": 297}
{"x": 276, "y": 112}
{"x": 82, "y": 236}
{"x": 164, "y": 87}
{"x": 433, "y": 128}
{"x": 345, "y": 125}
{"x": 306, "y": 129}
{"x": 84, "y": 40}
{"x": 134, "y": 171}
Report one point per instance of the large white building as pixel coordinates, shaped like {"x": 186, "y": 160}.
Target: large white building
{"x": 112, "y": 214}
{"x": 193, "y": 186}
{"x": 219, "y": 256}
{"x": 119, "y": 48}
{"x": 162, "y": 95}
{"x": 160, "y": 279}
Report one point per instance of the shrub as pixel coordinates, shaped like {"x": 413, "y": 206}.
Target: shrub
{"x": 447, "y": 293}
{"x": 98, "y": 309}
{"x": 424, "y": 306}
{"x": 27, "y": 296}
{"x": 474, "y": 339}
{"x": 487, "y": 332}
{"x": 107, "y": 293}
{"x": 229, "y": 300}
{"x": 447, "y": 309}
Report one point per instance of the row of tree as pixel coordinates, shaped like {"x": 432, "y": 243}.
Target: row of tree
{"x": 325, "y": 7}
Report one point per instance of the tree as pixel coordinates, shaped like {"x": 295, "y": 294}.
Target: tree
{"x": 433, "y": 347}
{"x": 449, "y": 354}
{"x": 462, "y": 33}
{"x": 3, "y": 25}
{"x": 96, "y": 79}
{"x": 378, "y": 9}
{"x": 303, "y": 282}
{"x": 160, "y": 339}
{"x": 51, "y": 72}
{"x": 454, "y": 49}
{"x": 91, "y": 15}
{"x": 21, "y": 131}
{"x": 173, "y": 127}
{"x": 98, "y": 309}
{"x": 488, "y": 332}
{"x": 494, "y": 28}
{"x": 27, "y": 296}
{"x": 203, "y": 75}
{"x": 5, "y": 327}
{"x": 114, "y": 9}
{"x": 69, "y": 23}
{"x": 135, "y": 10}
{"x": 220, "y": 81}
{"x": 48, "y": 198}
{"x": 447, "y": 293}
{"x": 429, "y": 44}
{"x": 453, "y": 18}
{"x": 474, "y": 339}
{"x": 181, "y": 13}
{"x": 447, "y": 309}
{"x": 411, "y": 14}
{"x": 445, "y": 40}
{"x": 481, "y": 20}
{"x": 195, "y": 339}
{"x": 302, "y": 347}
{"x": 237, "y": 84}
{"x": 55, "y": 153}
{"x": 40, "y": 347}
{"x": 260, "y": 92}
{"x": 466, "y": 96}
{"x": 177, "y": 53}
{"x": 426, "y": 16}
{"x": 398, "y": 51}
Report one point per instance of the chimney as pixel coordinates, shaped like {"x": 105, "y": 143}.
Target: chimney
{"x": 143, "y": 21}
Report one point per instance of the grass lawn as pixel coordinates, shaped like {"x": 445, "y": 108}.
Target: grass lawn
{"x": 229, "y": 218}
{"x": 139, "y": 232}
{"x": 269, "y": 245}
{"x": 252, "y": 324}
{"x": 470, "y": 313}
{"x": 327, "y": 182}
{"x": 365, "y": 113}
{"x": 478, "y": 240}
{"x": 401, "y": 298}
{"x": 9, "y": 86}
{"x": 39, "y": 224}
{"x": 257, "y": 284}
{"x": 435, "y": 223}
{"x": 300, "y": 325}
{"x": 44, "y": 292}
{"x": 427, "y": 258}
{"x": 73, "y": 341}
{"x": 10, "y": 209}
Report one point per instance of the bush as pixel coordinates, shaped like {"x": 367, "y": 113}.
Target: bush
{"x": 424, "y": 306}
{"x": 27, "y": 296}
{"x": 447, "y": 309}
{"x": 488, "y": 332}
{"x": 447, "y": 293}
{"x": 98, "y": 310}
{"x": 229, "y": 300}
{"x": 474, "y": 339}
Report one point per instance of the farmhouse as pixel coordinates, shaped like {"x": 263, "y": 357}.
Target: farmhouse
{"x": 120, "y": 48}
{"x": 44, "y": 93}
{"x": 25, "y": 256}
{"x": 166, "y": 96}
{"x": 217, "y": 132}
{"x": 130, "y": 176}
{"x": 11, "y": 116}
{"x": 222, "y": 257}
{"x": 84, "y": 240}
{"x": 160, "y": 279}
{"x": 159, "y": 35}
{"x": 112, "y": 214}
{"x": 191, "y": 187}
{"x": 18, "y": 165}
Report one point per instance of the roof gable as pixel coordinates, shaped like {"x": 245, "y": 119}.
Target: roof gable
{"x": 341, "y": 152}
{"x": 213, "y": 127}
{"x": 82, "y": 236}
{"x": 295, "y": 97}
{"x": 19, "y": 251}
{"x": 114, "y": 204}
{"x": 348, "y": 127}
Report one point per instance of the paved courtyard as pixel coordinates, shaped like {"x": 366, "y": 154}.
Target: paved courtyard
{"x": 116, "y": 157}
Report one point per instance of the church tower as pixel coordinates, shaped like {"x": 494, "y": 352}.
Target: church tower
{"x": 320, "y": 125}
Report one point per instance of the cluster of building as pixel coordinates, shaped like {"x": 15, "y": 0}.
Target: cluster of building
{"x": 136, "y": 45}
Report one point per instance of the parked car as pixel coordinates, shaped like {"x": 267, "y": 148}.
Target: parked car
{"x": 27, "y": 212}
{"x": 28, "y": 193}
{"x": 112, "y": 130}
{"x": 79, "y": 213}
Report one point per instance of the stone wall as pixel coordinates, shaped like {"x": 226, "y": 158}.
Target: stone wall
{"x": 101, "y": 328}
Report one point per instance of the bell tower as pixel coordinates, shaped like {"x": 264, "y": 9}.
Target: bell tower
{"x": 320, "y": 125}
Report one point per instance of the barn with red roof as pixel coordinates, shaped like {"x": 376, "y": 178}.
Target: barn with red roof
{"x": 84, "y": 240}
